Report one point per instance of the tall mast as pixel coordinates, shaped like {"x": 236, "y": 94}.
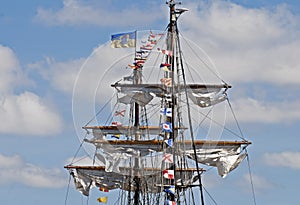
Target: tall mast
{"x": 137, "y": 79}
{"x": 169, "y": 59}
{"x": 172, "y": 39}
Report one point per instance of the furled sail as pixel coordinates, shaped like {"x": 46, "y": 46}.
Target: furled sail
{"x": 141, "y": 98}
{"x": 160, "y": 89}
{"x": 207, "y": 99}
{"x": 87, "y": 177}
{"x": 226, "y": 157}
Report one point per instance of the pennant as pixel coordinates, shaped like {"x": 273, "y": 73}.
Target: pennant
{"x": 170, "y": 202}
{"x": 165, "y": 67}
{"x": 146, "y": 47}
{"x": 116, "y": 124}
{"x": 167, "y": 127}
{"x": 169, "y": 142}
{"x": 102, "y": 199}
{"x": 170, "y": 190}
{"x": 168, "y": 158}
{"x": 123, "y": 40}
{"x": 168, "y": 174}
{"x": 103, "y": 189}
{"x": 120, "y": 113}
{"x": 166, "y": 111}
{"x": 166, "y": 52}
{"x": 166, "y": 81}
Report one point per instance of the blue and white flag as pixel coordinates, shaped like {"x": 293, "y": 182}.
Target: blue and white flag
{"x": 167, "y": 127}
{"x": 169, "y": 142}
{"x": 166, "y": 111}
{"x": 123, "y": 40}
{"x": 170, "y": 190}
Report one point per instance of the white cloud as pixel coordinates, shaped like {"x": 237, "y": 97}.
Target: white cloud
{"x": 75, "y": 12}
{"x": 247, "y": 45}
{"x": 15, "y": 170}
{"x": 260, "y": 183}
{"x": 251, "y": 110}
{"x": 25, "y": 113}
{"x": 82, "y": 77}
{"x": 283, "y": 159}
{"x": 10, "y": 71}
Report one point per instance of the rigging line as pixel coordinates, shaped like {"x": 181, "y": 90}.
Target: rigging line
{"x": 155, "y": 61}
{"x": 100, "y": 110}
{"x": 189, "y": 117}
{"x": 68, "y": 189}
{"x": 110, "y": 118}
{"x": 251, "y": 178}
{"x": 76, "y": 153}
{"x": 206, "y": 65}
{"x": 237, "y": 123}
{"x": 87, "y": 200}
{"x": 205, "y": 116}
{"x": 153, "y": 68}
{"x": 210, "y": 196}
{"x": 192, "y": 193}
{"x": 224, "y": 127}
{"x": 120, "y": 196}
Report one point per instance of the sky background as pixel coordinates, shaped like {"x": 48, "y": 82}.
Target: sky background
{"x": 255, "y": 46}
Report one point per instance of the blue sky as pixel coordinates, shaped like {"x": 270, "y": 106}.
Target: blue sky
{"x": 255, "y": 46}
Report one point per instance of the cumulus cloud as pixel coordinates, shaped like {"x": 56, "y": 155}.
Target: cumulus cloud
{"x": 76, "y": 12}
{"x": 83, "y": 77}
{"x": 284, "y": 159}
{"x": 252, "y": 110}
{"x": 247, "y": 44}
{"x": 15, "y": 170}
{"x": 25, "y": 113}
{"x": 260, "y": 183}
{"x": 10, "y": 71}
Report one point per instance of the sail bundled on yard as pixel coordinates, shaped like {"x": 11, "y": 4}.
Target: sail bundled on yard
{"x": 209, "y": 98}
{"x": 226, "y": 157}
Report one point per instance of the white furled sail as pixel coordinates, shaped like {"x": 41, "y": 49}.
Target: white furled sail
{"x": 207, "y": 99}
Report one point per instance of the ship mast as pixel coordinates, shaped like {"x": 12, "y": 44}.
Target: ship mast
{"x": 137, "y": 79}
{"x": 172, "y": 40}
{"x": 170, "y": 60}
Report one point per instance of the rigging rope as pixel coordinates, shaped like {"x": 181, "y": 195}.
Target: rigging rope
{"x": 237, "y": 123}
{"x": 99, "y": 111}
{"x": 190, "y": 121}
{"x": 205, "y": 64}
{"x": 214, "y": 201}
{"x": 68, "y": 189}
{"x": 76, "y": 153}
{"x": 251, "y": 178}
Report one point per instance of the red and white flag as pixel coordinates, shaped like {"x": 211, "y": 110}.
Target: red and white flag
{"x": 168, "y": 157}
{"x": 166, "y": 81}
{"x": 166, "y": 52}
{"x": 168, "y": 174}
{"x": 120, "y": 113}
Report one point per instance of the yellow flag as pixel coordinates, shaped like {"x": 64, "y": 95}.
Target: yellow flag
{"x": 102, "y": 199}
